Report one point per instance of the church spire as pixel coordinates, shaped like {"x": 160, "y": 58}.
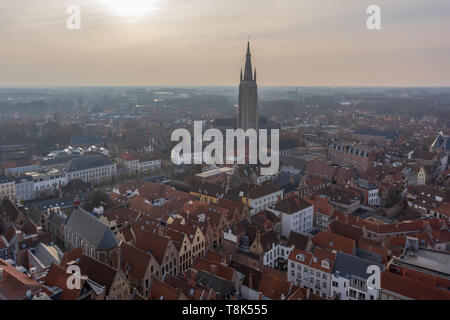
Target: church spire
{"x": 248, "y": 75}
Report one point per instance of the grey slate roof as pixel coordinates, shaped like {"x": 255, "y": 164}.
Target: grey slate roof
{"x": 284, "y": 178}
{"x": 42, "y": 206}
{"x": 88, "y": 162}
{"x": 224, "y": 287}
{"x": 378, "y": 133}
{"x": 48, "y": 254}
{"x": 441, "y": 142}
{"x": 5, "y": 179}
{"x": 349, "y": 266}
{"x": 92, "y": 230}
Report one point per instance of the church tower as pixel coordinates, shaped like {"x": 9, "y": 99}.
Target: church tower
{"x": 248, "y": 96}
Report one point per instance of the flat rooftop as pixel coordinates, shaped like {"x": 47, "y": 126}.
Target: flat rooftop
{"x": 427, "y": 260}
{"x": 214, "y": 172}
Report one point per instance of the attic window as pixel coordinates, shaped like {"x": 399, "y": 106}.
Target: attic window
{"x": 300, "y": 257}
{"x": 325, "y": 264}
{"x": 331, "y": 243}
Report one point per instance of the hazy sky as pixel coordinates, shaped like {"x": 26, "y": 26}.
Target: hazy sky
{"x": 203, "y": 42}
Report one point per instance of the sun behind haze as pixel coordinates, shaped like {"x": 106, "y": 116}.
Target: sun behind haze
{"x": 203, "y": 42}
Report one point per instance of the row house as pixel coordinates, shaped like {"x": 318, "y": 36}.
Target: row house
{"x": 323, "y": 212}
{"x": 312, "y": 270}
{"x": 47, "y": 180}
{"x": 141, "y": 162}
{"x": 24, "y": 188}
{"x": 308, "y": 186}
{"x": 260, "y": 197}
{"x": 140, "y": 267}
{"x": 7, "y": 188}
{"x": 113, "y": 281}
{"x": 369, "y": 193}
{"x": 426, "y": 199}
{"x": 359, "y": 156}
{"x": 220, "y": 270}
{"x": 258, "y": 285}
{"x": 443, "y": 211}
{"x": 209, "y": 192}
{"x": 190, "y": 287}
{"x": 11, "y": 214}
{"x": 344, "y": 198}
{"x": 95, "y": 168}
{"x": 349, "y": 278}
{"x": 162, "y": 248}
{"x": 415, "y": 175}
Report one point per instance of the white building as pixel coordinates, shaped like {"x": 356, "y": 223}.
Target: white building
{"x": 372, "y": 194}
{"x": 349, "y": 278}
{"x": 95, "y": 168}
{"x": 262, "y": 196}
{"x": 7, "y": 188}
{"x": 24, "y": 188}
{"x": 141, "y": 162}
{"x": 48, "y": 179}
{"x": 272, "y": 256}
{"x": 312, "y": 270}
{"x": 296, "y": 215}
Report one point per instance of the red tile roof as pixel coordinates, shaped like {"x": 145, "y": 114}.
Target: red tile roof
{"x": 411, "y": 288}
{"x": 331, "y": 241}
{"x": 162, "y": 291}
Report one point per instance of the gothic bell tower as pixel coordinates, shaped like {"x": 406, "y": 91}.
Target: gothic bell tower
{"x": 248, "y": 96}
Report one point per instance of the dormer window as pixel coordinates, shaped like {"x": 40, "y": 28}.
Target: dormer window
{"x": 325, "y": 264}
{"x": 300, "y": 257}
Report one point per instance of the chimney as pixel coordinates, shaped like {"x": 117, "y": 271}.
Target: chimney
{"x": 260, "y": 296}
{"x": 33, "y": 273}
{"x": 76, "y": 202}
{"x": 119, "y": 256}
{"x": 292, "y": 179}
{"x": 250, "y": 281}
{"x": 213, "y": 269}
{"x": 307, "y": 294}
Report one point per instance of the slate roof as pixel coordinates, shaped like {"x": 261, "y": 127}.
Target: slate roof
{"x": 292, "y": 205}
{"x": 441, "y": 142}
{"x": 222, "y": 286}
{"x": 348, "y": 266}
{"x": 92, "y": 230}
{"x": 296, "y": 162}
{"x": 64, "y": 202}
{"x": 4, "y": 179}
{"x": 48, "y": 254}
{"x": 284, "y": 178}
{"x": 88, "y": 162}
{"x": 377, "y": 133}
